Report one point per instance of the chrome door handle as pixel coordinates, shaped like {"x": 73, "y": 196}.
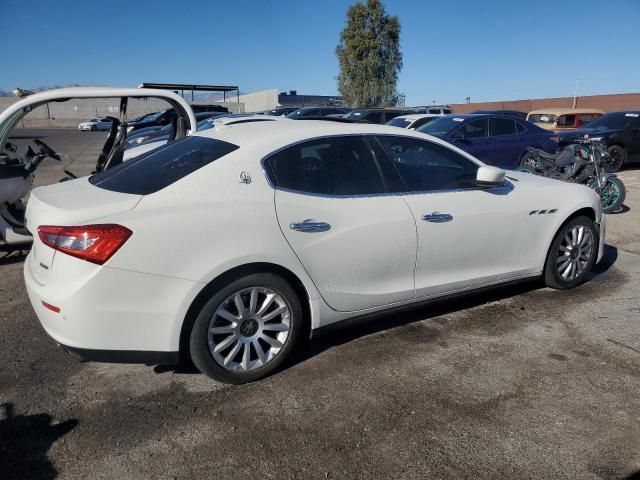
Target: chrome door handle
{"x": 436, "y": 217}
{"x": 310, "y": 225}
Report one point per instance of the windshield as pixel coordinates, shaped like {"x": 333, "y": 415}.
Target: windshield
{"x": 400, "y": 122}
{"x": 542, "y": 118}
{"x": 616, "y": 121}
{"x": 440, "y": 127}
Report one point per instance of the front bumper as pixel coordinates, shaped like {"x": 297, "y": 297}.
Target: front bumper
{"x": 111, "y": 315}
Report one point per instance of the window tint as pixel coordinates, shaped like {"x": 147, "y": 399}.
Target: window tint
{"x": 588, "y": 117}
{"x": 390, "y": 115}
{"x": 446, "y": 111}
{"x": 426, "y": 166}
{"x": 328, "y": 166}
{"x": 422, "y": 121}
{"x": 475, "y": 129}
{"x": 374, "y": 117}
{"x": 435, "y": 111}
{"x": 567, "y": 121}
{"x": 163, "y": 166}
{"x": 502, "y": 126}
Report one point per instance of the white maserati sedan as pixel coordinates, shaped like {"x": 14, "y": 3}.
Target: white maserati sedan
{"x": 230, "y": 246}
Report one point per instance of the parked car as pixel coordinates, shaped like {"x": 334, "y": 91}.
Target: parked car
{"x": 280, "y": 111}
{"x": 228, "y": 247}
{"x": 497, "y": 140}
{"x": 509, "y": 113}
{"x": 317, "y": 112}
{"x": 621, "y": 133}
{"x": 414, "y": 121}
{"x": 101, "y": 123}
{"x": 158, "y": 133}
{"x": 435, "y": 109}
{"x": 157, "y": 119}
{"x": 213, "y": 121}
{"x": 375, "y": 115}
{"x": 563, "y": 118}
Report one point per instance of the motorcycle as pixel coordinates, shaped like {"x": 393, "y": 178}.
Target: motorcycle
{"x": 16, "y": 180}
{"x": 581, "y": 162}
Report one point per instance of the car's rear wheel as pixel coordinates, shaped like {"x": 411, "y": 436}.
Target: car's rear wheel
{"x": 616, "y": 159}
{"x": 572, "y": 254}
{"x": 247, "y": 329}
{"x": 528, "y": 161}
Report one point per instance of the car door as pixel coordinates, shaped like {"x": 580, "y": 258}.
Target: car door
{"x": 473, "y": 137}
{"x": 357, "y": 243}
{"x": 467, "y": 236}
{"x": 505, "y": 141}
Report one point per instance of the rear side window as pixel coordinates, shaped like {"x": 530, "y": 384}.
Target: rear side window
{"x": 160, "y": 168}
{"x": 567, "y": 121}
{"x": 502, "y": 126}
{"x": 328, "y": 166}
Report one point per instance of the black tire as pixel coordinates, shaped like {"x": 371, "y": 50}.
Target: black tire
{"x": 552, "y": 277}
{"x": 198, "y": 340}
{"x": 617, "y": 158}
{"x": 93, "y": 128}
{"x": 613, "y": 195}
{"x": 527, "y": 161}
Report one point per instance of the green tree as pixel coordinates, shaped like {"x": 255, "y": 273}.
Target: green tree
{"x": 369, "y": 55}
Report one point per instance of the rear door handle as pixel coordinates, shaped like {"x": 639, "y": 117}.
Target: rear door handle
{"x": 310, "y": 225}
{"x": 437, "y": 217}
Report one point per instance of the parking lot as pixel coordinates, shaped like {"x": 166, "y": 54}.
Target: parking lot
{"x": 523, "y": 382}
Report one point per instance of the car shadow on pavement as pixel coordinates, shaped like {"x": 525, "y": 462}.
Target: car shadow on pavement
{"x": 609, "y": 257}
{"x": 25, "y": 441}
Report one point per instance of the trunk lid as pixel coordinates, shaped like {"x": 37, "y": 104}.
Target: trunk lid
{"x": 69, "y": 203}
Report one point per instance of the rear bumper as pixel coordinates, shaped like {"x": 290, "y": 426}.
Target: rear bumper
{"x": 111, "y": 315}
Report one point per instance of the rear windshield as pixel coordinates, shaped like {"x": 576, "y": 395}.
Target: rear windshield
{"x": 542, "y": 118}
{"x": 163, "y": 166}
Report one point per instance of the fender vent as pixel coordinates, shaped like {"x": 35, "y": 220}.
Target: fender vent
{"x": 543, "y": 212}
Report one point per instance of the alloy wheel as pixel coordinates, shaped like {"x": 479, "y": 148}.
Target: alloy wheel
{"x": 249, "y": 329}
{"x": 574, "y": 252}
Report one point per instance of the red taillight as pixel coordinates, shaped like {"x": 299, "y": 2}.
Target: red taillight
{"x": 53, "y": 308}
{"x": 93, "y": 243}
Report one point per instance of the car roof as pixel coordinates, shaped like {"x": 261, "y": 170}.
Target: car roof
{"x": 267, "y": 137}
{"x": 418, "y": 116}
{"x": 565, "y": 111}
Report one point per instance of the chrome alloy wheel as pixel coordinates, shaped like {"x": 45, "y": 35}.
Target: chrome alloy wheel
{"x": 249, "y": 328}
{"x": 574, "y": 252}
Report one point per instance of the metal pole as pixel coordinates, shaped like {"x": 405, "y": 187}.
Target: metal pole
{"x": 575, "y": 95}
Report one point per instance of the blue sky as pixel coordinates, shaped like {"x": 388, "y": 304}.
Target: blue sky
{"x": 491, "y": 50}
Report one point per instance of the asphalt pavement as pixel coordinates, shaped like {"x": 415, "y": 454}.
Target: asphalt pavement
{"x": 525, "y": 382}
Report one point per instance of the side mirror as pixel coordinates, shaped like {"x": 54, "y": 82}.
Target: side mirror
{"x": 490, "y": 176}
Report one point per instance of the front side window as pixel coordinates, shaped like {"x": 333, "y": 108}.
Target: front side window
{"x": 475, "y": 129}
{"x": 328, "y": 166}
{"x": 502, "y": 126}
{"x": 426, "y": 166}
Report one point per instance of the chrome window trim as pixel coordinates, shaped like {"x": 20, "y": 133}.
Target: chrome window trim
{"x": 265, "y": 171}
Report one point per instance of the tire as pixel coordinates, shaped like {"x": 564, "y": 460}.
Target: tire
{"x": 558, "y": 272}
{"x": 527, "y": 161}
{"x": 617, "y": 158}
{"x": 613, "y": 195}
{"x": 233, "y": 336}
{"x": 93, "y": 128}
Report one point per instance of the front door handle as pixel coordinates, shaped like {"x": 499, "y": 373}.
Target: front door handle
{"x": 310, "y": 225}
{"x": 437, "y": 217}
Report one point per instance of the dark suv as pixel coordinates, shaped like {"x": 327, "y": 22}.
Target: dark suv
{"x": 317, "y": 112}
{"x": 375, "y": 115}
{"x": 619, "y": 130}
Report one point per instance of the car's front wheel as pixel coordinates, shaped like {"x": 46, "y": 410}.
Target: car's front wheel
{"x": 247, "y": 329}
{"x": 616, "y": 159}
{"x": 572, "y": 254}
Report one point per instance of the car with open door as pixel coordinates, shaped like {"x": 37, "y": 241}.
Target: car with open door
{"x": 17, "y": 166}
{"x": 230, "y": 246}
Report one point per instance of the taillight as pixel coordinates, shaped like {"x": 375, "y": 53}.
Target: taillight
{"x": 93, "y": 243}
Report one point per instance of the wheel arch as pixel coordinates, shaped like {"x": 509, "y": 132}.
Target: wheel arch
{"x": 588, "y": 212}
{"x": 231, "y": 275}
